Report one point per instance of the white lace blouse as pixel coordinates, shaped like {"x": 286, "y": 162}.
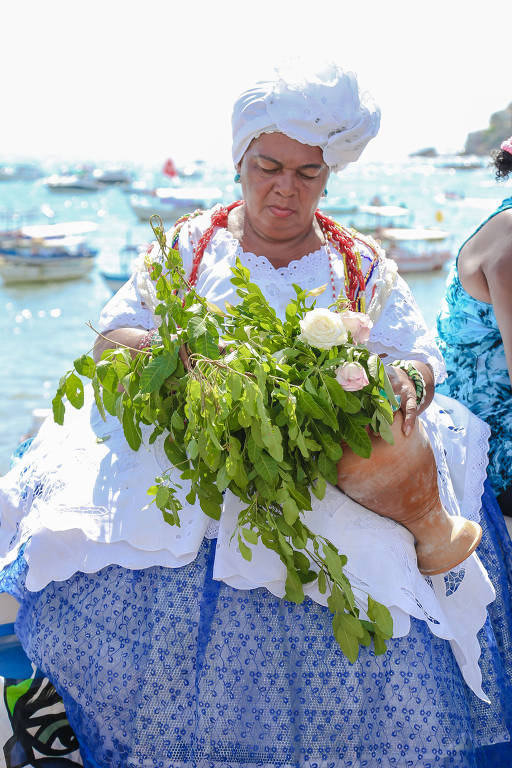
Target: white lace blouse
{"x": 80, "y": 491}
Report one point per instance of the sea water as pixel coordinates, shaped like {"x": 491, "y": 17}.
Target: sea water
{"x": 43, "y": 327}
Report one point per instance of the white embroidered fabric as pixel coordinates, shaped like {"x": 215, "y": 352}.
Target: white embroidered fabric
{"x": 80, "y": 491}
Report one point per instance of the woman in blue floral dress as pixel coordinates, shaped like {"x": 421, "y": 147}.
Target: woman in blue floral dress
{"x": 475, "y": 332}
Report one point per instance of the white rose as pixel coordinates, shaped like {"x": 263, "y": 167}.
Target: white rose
{"x": 323, "y": 329}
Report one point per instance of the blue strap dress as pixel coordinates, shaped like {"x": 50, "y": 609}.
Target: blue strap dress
{"x": 471, "y": 343}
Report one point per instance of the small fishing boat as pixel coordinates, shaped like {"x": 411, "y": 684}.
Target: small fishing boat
{"x": 371, "y": 218}
{"x": 416, "y": 249}
{"x": 47, "y": 252}
{"x": 338, "y": 207}
{"x": 116, "y": 275}
{"x": 462, "y": 163}
{"x": 19, "y": 172}
{"x": 112, "y": 176}
{"x": 74, "y": 182}
{"x": 172, "y": 202}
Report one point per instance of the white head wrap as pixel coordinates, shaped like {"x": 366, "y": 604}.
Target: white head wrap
{"x": 325, "y": 109}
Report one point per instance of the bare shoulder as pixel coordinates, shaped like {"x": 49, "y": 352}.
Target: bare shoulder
{"x": 493, "y": 242}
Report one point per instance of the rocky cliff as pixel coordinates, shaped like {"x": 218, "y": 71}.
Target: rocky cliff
{"x": 500, "y": 127}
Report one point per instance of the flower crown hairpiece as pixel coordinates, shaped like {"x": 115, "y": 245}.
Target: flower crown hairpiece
{"x": 506, "y": 145}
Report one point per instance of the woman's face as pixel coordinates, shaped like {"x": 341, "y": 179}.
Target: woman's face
{"x": 282, "y": 181}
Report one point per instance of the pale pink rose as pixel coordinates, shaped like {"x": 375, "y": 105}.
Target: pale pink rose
{"x": 358, "y": 324}
{"x": 351, "y": 376}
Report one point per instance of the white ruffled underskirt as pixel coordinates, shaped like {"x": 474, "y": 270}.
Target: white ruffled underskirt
{"x": 78, "y": 500}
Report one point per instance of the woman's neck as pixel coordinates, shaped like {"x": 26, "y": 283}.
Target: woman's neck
{"x": 279, "y": 252}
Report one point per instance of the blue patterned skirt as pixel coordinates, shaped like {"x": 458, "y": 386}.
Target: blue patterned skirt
{"x": 167, "y": 668}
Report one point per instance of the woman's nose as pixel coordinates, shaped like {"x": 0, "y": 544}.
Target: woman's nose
{"x": 285, "y": 183}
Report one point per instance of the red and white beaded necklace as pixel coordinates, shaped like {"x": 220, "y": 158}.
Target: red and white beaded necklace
{"x": 340, "y": 238}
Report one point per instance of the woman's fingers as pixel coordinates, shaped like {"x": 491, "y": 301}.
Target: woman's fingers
{"x": 404, "y": 387}
{"x": 409, "y": 408}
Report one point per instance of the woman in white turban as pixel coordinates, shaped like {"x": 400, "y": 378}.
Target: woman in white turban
{"x": 168, "y": 648}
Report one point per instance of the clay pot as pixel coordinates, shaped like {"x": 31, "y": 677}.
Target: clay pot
{"x": 400, "y": 482}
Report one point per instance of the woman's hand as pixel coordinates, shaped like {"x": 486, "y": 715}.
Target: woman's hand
{"x": 405, "y": 389}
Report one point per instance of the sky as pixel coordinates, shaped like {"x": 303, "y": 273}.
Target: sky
{"x": 121, "y": 81}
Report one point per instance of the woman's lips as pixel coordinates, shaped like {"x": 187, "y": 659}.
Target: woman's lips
{"x": 281, "y": 213}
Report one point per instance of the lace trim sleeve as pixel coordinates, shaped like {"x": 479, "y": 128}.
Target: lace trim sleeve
{"x": 399, "y": 329}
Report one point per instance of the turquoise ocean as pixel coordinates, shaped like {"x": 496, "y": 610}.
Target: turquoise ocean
{"x": 43, "y": 326}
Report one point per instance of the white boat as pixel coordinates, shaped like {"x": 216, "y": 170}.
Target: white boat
{"x": 19, "y": 172}
{"x": 416, "y": 249}
{"x": 172, "y": 202}
{"x": 48, "y": 231}
{"x": 112, "y": 176}
{"x": 74, "y": 182}
{"x": 462, "y": 163}
{"x": 47, "y": 252}
{"x": 116, "y": 275}
{"x": 337, "y": 207}
{"x": 373, "y": 218}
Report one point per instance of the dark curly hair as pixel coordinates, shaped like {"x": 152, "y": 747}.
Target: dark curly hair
{"x": 502, "y": 162}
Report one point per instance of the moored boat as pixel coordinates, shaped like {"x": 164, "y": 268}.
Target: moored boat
{"x": 416, "y": 249}
{"x": 172, "y": 202}
{"x": 372, "y": 218}
{"x": 74, "y": 182}
{"x": 19, "y": 172}
{"x": 116, "y": 275}
{"x": 47, "y": 252}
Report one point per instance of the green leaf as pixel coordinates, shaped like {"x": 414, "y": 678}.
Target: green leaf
{"x": 131, "y": 429}
{"x": 379, "y": 645}
{"x": 356, "y": 437}
{"x": 210, "y": 508}
{"x": 319, "y": 487}
{"x": 301, "y": 496}
{"x": 290, "y": 511}
{"x": 245, "y": 551}
{"x": 162, "y": 495}
{"x": 267, "y": 469}
{"x": 294, "y": 590}
{"x": 177, "y": 422}
{"x": 75, "y": 390}
{"x": 59, "y": 409}
{"x": 336, "y": 391}
{"x": 158, "y": 370}
{"x": 385, "y": 431}
{"x": 322, "y": 582}
{"x": 250, "y": 535}
{"x": 234, "y": 383}
{"x": 109, "y": 401}
{"x": 272, "y": 440}
{"x": 175, "y": 453}
{"x": 108, "y": 371}
{"x": 291, "y": 311}
{"x": 381, "y": 616}
{"x": 223, "y": 479}
{"x": 85, "y": 366}
{"x": 317, "y": 408}
{"x": 98, "y": 400}
{"x": 388, "y": 389}
{"x": 345, "y": 638}
{"x": 328, "y": 469}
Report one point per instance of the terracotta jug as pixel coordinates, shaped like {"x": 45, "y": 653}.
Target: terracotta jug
{"x": 400, "y": 482}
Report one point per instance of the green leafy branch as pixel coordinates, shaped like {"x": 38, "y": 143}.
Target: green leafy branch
{"x": 259, "y": 413}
